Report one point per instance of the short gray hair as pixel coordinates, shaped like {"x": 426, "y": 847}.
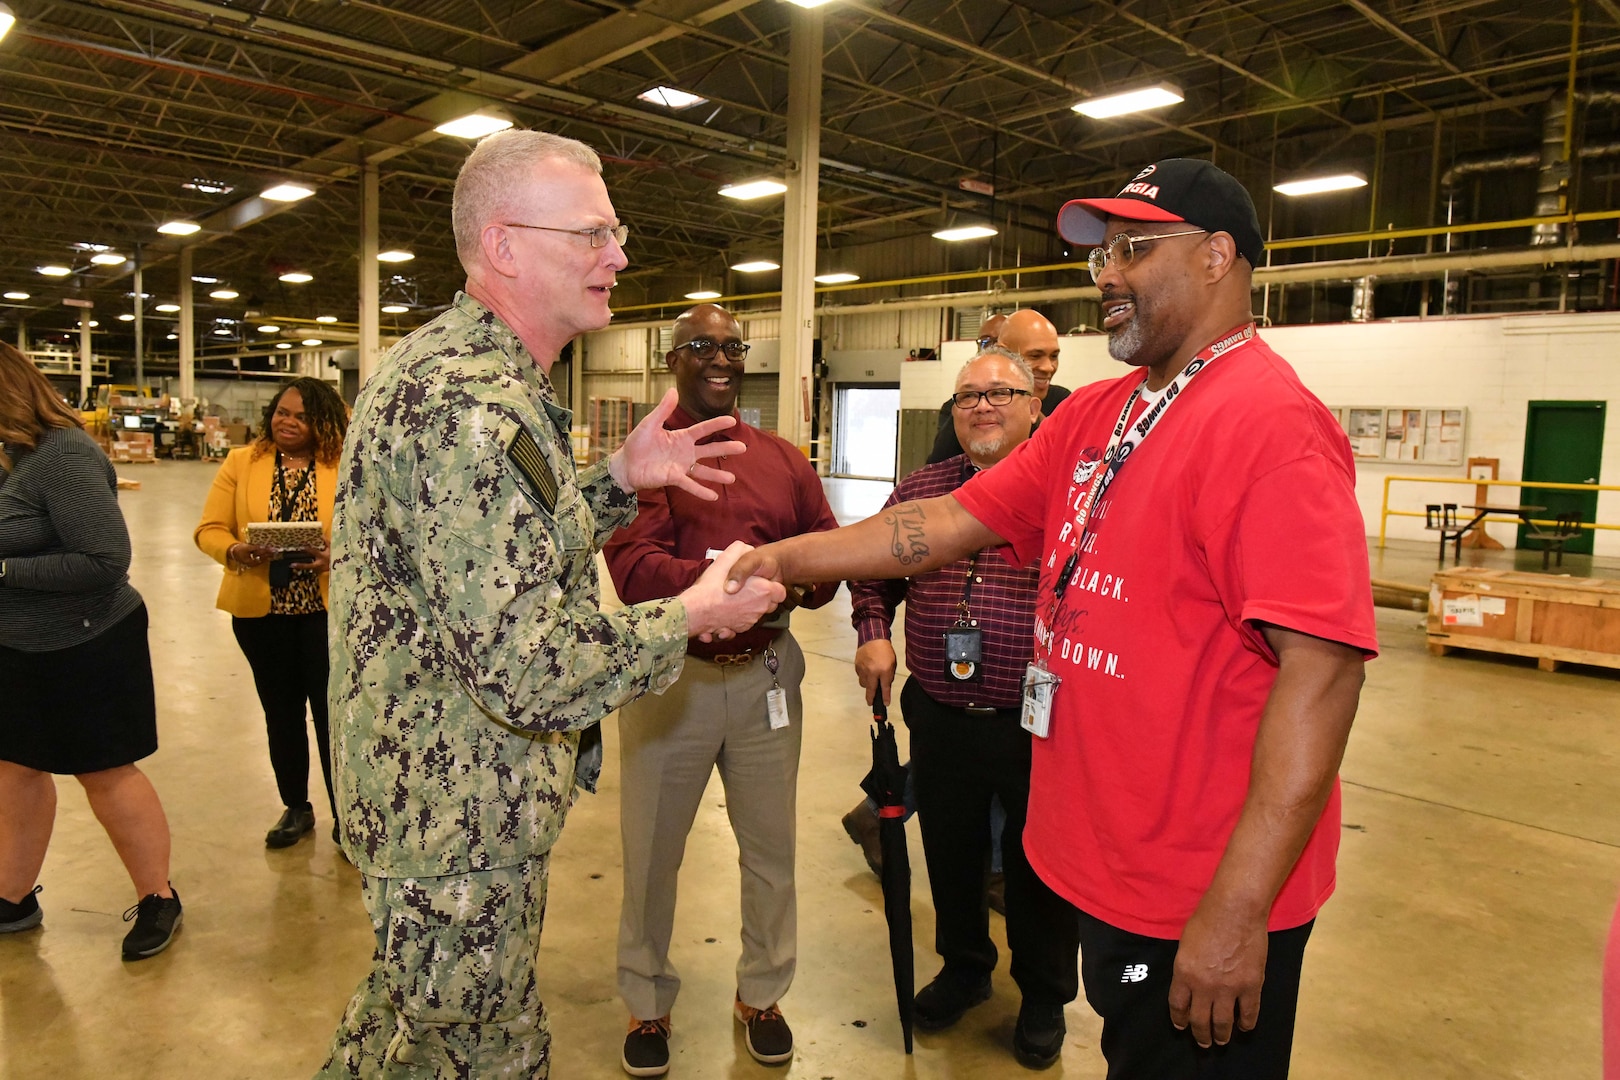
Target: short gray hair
{"x": 491, "y": 174}
{"x": 1018, "y": 362}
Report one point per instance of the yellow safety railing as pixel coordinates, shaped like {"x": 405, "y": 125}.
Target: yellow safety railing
{"x": 1386, "y": 513}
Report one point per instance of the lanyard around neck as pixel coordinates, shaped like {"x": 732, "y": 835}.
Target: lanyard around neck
{"x": 1126, "y": 438}
{"x": 289, "y": 502}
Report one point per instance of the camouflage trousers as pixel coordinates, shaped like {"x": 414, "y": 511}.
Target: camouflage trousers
{"x": 452, "y": 990}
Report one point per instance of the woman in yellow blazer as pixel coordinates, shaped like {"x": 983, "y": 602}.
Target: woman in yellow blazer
{"x": 277, "y": 600}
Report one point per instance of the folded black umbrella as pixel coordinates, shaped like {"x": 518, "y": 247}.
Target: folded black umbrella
{"x": 886, "y": 784}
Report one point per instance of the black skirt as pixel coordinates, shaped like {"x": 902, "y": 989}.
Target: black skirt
{"x": 81, "y": 709}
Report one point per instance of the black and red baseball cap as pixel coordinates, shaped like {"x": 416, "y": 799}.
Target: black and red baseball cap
{"x": 1175, "y": 189}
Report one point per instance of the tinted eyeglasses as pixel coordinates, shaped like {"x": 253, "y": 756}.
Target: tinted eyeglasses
{"x": 1121, "y": 250}
{"x": 704, "y": 349}
{"x": 598, "y": 236}
{"x": 997, "y": 395}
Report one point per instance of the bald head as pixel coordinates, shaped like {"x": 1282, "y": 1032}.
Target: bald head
{"x": 1032, "y": 336}
{"x": 990, "y": 329}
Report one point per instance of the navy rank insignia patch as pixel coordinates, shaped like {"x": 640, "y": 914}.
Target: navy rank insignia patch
{"x": 525, "y": 455}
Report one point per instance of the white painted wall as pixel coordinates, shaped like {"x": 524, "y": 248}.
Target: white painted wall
{"x": 1492, "y": 366}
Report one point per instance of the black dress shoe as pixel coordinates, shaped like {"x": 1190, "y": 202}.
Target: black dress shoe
{"x": 294, "y": 823}
{"x": 942, "y": 1002}
{"x": 1038, "y": 1037}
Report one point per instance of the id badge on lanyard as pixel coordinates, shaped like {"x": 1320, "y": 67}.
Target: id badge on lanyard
{"x": 1040, "y": 684}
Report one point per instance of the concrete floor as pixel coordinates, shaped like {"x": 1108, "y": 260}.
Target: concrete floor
{"x": 1480, "y": 864}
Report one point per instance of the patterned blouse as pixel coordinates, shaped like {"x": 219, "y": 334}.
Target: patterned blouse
{"x": 302, "y": 595}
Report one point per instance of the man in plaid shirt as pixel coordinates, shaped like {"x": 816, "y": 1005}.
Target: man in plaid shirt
{"x": 966, "y": 742}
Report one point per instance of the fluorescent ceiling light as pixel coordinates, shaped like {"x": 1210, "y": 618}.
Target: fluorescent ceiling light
{"x": 394, "y": 309}
{"x": 109, "y": 258}
{"x": 312, "y": 341}
{"x": 1131, "y": 101}
{"x": 395, "y": 256}
{"x": 220, "y": 331}
{"x": 1316, "y": 185}
{"x": 171, "y": 337}
{"x": 16, "y": 295}
{"x": 56, "y": 271}
{"x": 703, "y": 294}
{"x": 283, "y": 344}
{"x": 755, "y": 266}
{"x": 296, "y": 277}
{"x": 94, "y": 323}
{"x": 753, "y": 189}
{"x": 326, "y": 318}
{"x": 168, "y": 309}
{"x": 269, "y": 328}
{"x": 670, "y": 97}
{"x": 808, "y": 3}
{"x": 837, "y": 279}
{"x": 224, "y": 294}
{"x": 474, "y": 125}
{"x": 7, "y": 19}
{"x": 126, "y": 317}
{"x": 286, "y": 193}
{"x": 178, "y": 228}
{"x": 200, "y": 280}
{"x": 208, "y": 187}
{"x": 965, "y": 232}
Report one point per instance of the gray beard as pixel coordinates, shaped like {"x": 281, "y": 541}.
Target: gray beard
{"x": 1125, "y": 344}
{"x": 987, "y": 447}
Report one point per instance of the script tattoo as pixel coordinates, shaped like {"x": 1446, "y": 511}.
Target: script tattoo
{"x": 907, "y": 542}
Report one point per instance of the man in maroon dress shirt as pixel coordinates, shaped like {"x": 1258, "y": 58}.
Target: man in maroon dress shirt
{"x": 736, "y": 705}
{"x": 969, "y": 635}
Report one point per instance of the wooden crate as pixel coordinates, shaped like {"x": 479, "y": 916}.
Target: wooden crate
{"x": 1550, "y": 617}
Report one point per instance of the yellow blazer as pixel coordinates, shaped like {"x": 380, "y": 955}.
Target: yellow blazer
{"x": 241, "y": 494}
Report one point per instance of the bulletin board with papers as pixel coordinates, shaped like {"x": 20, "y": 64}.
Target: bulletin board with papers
{"x": 1412, "y": 435}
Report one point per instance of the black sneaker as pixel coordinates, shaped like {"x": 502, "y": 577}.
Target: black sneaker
{"x": 294, "y": 823}
{"x": 20, "y": 916}
{"x": 770, "y": 1040}
{"x": 942, "y": 1002}
{"x": 1038, "y": 1037}
{"x": 646, "y": 1048}
{"x": 157, "y": 919}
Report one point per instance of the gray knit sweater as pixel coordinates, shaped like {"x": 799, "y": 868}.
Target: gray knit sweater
{"x": 64, "y": 544}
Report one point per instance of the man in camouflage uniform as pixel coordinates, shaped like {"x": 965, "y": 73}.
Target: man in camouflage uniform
{"x": 470, "y": 661}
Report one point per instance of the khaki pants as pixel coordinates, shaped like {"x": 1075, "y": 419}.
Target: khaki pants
{"x": 714, "y": 716}
{"x": 452, "y": 991}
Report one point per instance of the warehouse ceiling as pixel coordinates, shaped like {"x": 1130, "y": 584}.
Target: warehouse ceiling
{"x": 118, "y": 115}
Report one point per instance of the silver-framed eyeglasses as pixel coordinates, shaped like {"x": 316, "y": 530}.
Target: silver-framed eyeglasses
{"x": 705, "y": 349}
{"x": 598, "y": 236}
{"x": 1121, "y": 250}
{"x": 997, "y": 395}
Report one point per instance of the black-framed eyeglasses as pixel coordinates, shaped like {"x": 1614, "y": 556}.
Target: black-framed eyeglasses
{"x": 1122, "y": 249}
{"x": 598, "y": 236}
{"x": 996, "y": 395}
{"x": 704, "y": 349}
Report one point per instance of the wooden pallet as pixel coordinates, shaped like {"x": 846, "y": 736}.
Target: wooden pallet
{"x": 1552, "y": 617}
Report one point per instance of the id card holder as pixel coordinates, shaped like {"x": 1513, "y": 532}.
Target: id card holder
{"x": 964, "y": 649}
{"x": 775, "y": 698}
{"x": 1040, "y": 686}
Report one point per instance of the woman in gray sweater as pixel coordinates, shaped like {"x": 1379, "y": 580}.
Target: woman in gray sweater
{"x": 75, "y": 671}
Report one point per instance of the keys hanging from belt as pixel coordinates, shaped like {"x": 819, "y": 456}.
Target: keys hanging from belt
{"x": 775, "y": 698}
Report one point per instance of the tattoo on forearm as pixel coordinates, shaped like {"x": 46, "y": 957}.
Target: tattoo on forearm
{"x": 906, "y": 541}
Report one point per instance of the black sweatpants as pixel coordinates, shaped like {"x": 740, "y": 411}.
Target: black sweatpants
{"x": 958, "y": 762}
{"x": 288, "y": 656}
{"x": 1127, "y": 980}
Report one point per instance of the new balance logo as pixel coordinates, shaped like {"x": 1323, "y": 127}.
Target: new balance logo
{"x": 1134, "y": 973}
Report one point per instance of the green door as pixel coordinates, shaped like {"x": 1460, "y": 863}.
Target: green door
{"x": 1563, "y": 443}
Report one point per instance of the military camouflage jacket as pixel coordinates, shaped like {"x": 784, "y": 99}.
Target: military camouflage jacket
{"x": 468, "y": 651}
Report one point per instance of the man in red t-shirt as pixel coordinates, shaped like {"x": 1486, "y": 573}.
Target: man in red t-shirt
{"x": 1201, "y": 628}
